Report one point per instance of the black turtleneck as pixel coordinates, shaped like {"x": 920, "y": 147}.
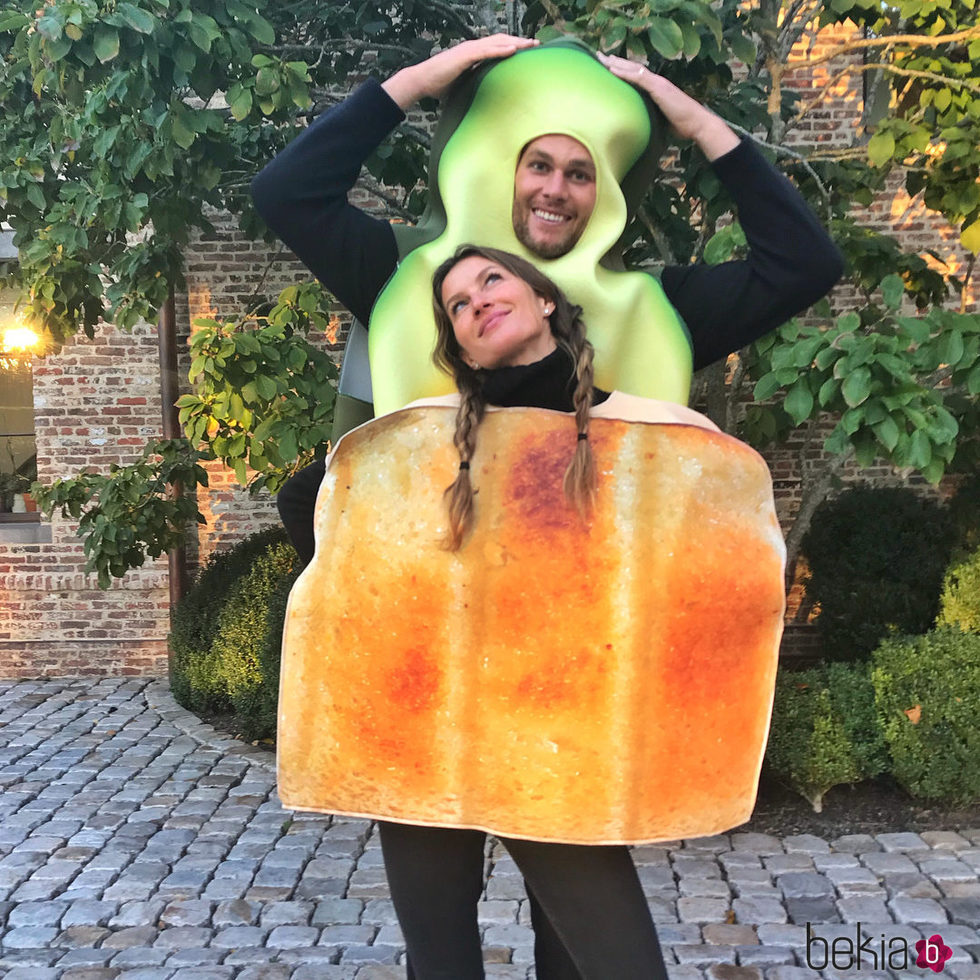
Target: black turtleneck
{"x": 548, "y": 383}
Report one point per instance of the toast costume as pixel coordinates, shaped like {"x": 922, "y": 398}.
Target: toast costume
{"x": 552, "y": 680}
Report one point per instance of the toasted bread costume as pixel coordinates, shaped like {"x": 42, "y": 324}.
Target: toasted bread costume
{"x": 601, "y": 683}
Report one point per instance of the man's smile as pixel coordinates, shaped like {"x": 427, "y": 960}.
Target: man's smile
{"x": 553, "y": 217}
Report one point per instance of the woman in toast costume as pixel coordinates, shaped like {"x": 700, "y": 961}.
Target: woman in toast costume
{"x": 568, "y": 684}
{"x": 589, "y": 662}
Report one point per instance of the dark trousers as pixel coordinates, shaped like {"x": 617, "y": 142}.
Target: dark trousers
{"x": 591, "y": 919}
{"x": 296, "y": 502}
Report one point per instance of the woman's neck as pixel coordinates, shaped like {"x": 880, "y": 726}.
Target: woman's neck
{"x": 548, "y": 383}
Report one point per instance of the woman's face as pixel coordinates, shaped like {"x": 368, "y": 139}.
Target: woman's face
{"x": 498, "y": 320}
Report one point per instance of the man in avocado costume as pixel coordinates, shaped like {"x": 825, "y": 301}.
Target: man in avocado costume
{"x": 545, "y": 152}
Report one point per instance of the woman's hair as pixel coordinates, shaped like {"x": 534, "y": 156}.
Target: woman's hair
{"x": 569, "y": 333}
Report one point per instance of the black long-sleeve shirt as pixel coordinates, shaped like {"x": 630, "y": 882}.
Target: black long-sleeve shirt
{"x": 791, "y": 261}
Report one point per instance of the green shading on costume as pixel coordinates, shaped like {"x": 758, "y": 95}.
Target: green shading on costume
{"x": 642, "y": 346}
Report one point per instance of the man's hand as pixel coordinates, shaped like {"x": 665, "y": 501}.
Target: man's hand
{"x": 689, "y": 119}
{"x": 432, "y": 77}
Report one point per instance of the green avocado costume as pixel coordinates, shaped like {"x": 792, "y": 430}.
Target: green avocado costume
{"x": 642, "y": 346}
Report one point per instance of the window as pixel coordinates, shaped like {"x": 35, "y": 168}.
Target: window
{"x": 18, "y": 453}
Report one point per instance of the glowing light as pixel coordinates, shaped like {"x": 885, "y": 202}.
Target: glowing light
{"x": 19, "y": 339}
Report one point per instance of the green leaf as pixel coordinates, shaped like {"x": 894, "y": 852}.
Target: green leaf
{"x": 266, "y": 82}
{"x": 920, "y": 450}
{"x": 887, "y": 433}
{"x": 266, "y": 387}
{"x": 199, "y": 36}
{"x": 799, "y": 402}
{"x": 973, "y": 380}
{"x": 13, "y": 21}
{"x": 261, "y": 30}
{"x": 56, "y": 50}
{"x": 288, "y": 446}
{"x": 892, "y": 290}
{"x": 865, "y": 449}
{"x": 881, "y": 148}
{"x": 139, "y": 20}
{"x": 36, "y": 196}
{"x": 806, "y": 350}
{"x": 240, "y": 103}
{"x": 916, "y": 328}
{"x": 106, "y": 43}
{"x": 827, "y": 393}
{"x": 666, "y": 37}
{"x": 825, "y": 358}
{"x": 934, "y": 471}
{"x": 743, "y": 49}
{"x": 838, "y": 442}
{"x": 183, "y": 136}
{"x": 857, "y": 387}
{"x": 970, "y": 238}
{"x": 951, "y": 348}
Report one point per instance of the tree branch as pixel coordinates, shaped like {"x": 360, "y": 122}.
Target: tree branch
{"x": 910, "y": 40}
{"x": 827, "y": 87}
{"x": 784, "y": 151}
{"x": 659, "y": 238}
{"x": 378, "y": 190}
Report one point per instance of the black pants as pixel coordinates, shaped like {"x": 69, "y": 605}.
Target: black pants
{"x": 591, "y": 919}
{"x": 296, "y": 502}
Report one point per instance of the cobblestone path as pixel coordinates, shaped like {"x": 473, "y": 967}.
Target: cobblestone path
{"x": 138, "y": 844}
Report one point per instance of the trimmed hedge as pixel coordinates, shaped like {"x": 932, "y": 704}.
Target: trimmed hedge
{"x": 927, "y": 690}
{"x": 876, "y": 558}
{"x": 227, "y": 630}
{"x": 825, "y": 730}
{"x": 959, "y": 604}
{"x": 249, "y": 638}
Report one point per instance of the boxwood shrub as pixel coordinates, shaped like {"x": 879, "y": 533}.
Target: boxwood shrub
{"x": 959, "y": 604}
{"x": 927, "y": 690}
{"x": 876, "y": 560}
{"x": 225, "y": 632}
{"x": 824, "y": 729}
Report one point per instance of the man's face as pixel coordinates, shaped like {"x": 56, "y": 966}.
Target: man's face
{"x": 554, "y": 194}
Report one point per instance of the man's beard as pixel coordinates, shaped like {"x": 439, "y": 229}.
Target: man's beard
{"x": 543, "y": 250}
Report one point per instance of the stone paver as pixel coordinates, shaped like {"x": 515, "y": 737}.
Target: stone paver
{"x": 138, "y": 844}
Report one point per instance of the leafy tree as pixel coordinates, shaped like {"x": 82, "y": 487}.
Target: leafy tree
{"x": 116, "y": 140}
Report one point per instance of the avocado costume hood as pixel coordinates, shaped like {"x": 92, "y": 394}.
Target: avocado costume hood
{"x": 491, "y": 114}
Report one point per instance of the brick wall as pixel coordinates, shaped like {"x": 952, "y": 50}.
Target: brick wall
{"x": 95, "y": 403}
{"x": 98, "y": 402}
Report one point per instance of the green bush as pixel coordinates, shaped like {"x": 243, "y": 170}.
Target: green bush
{"x": 876, "y": 558}
{"x": 824, "y": 729}
{"x": 959, "y": 604}
{"x": 927, "y": 690}
{"x": 249, "y": 639}
{"x": 197, "y": 678}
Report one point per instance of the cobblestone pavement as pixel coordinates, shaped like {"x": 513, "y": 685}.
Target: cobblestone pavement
{"x": 137, "y": 843}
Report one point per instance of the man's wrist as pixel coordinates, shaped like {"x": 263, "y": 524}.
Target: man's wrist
{"x": 404, "y": 87}
{"x": 715, "y": 137}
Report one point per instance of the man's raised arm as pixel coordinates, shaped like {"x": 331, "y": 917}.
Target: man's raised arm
{"x": 792, "y": 261}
